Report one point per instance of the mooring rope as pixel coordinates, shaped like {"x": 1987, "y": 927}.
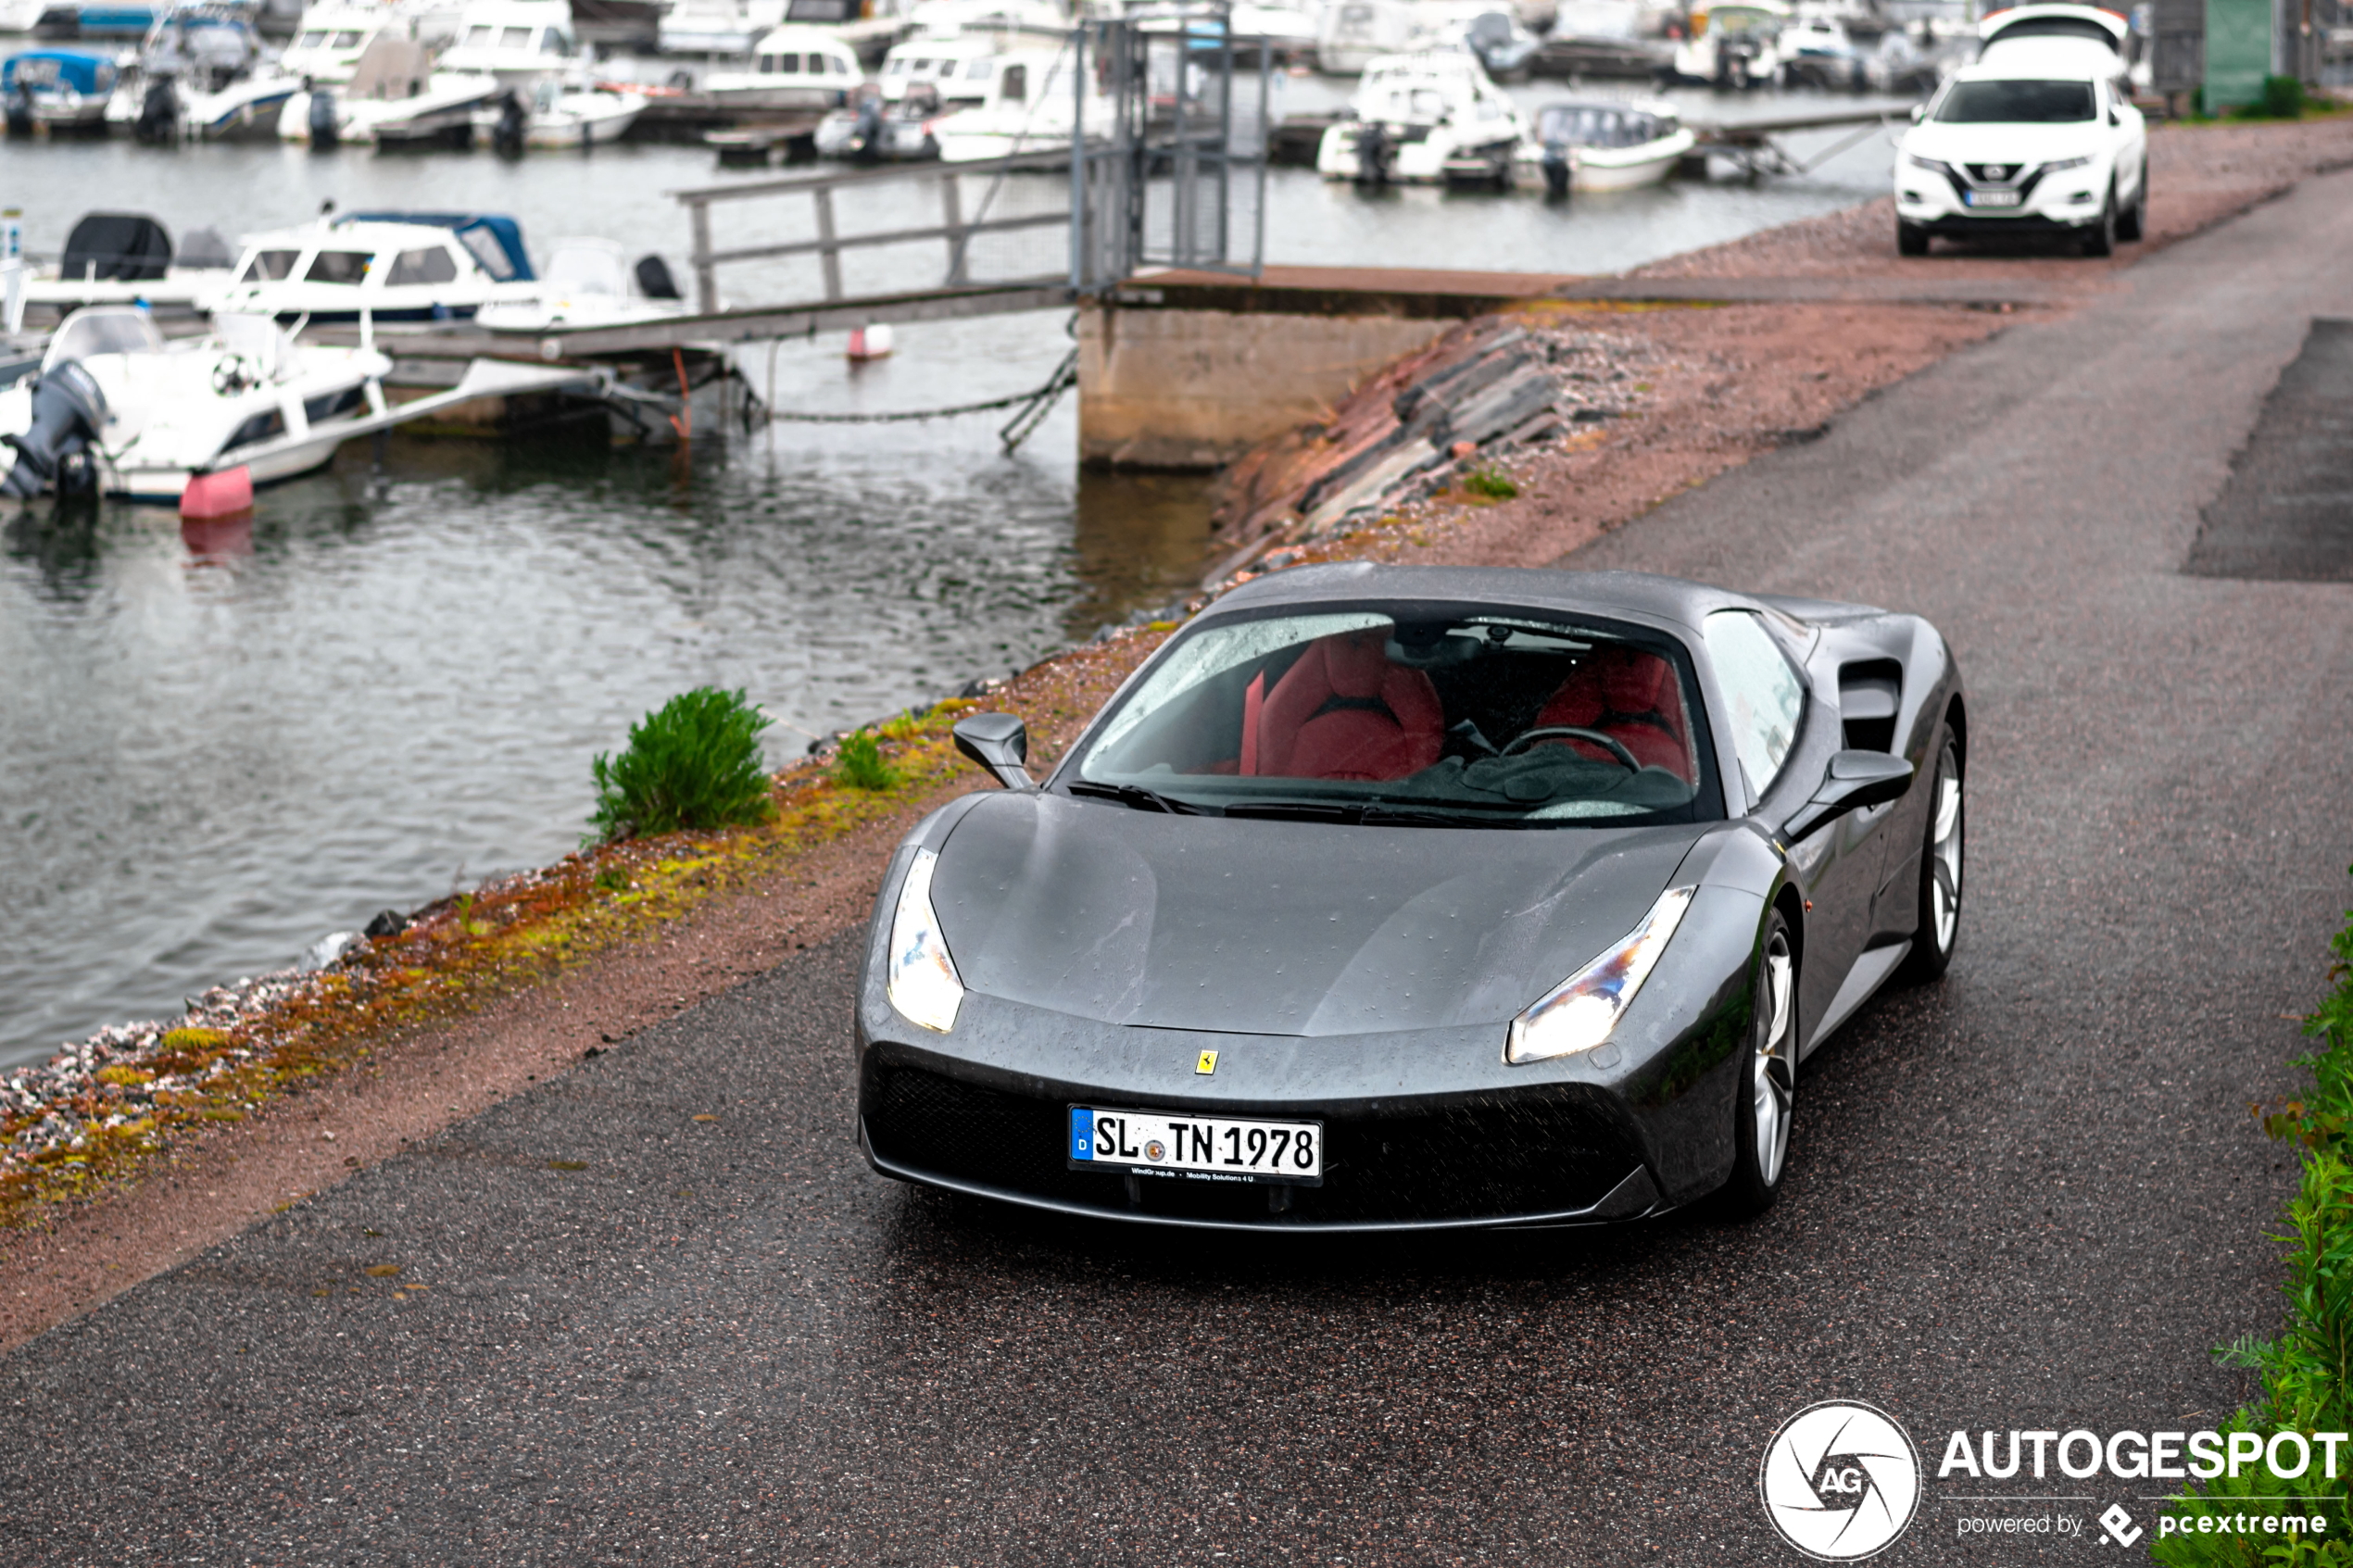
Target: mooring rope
{"x": 1059, "y": 380}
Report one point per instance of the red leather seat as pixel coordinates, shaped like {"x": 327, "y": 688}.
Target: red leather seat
{"x": 1632, "y": 696}
{"x": 1343, "y": 712}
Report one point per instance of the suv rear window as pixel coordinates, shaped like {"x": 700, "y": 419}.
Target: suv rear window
{"x": 2016, "y": 102}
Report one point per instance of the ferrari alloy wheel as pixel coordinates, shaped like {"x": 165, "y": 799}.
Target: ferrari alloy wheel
{"x": 1939, "y": 899}
{"x": 1768, "y": 1090}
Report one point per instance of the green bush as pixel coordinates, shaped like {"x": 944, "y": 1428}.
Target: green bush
{"x": 2283, "y": 99}
{"x": 692, "y": 763}
{"x": 2306, "y": 1372}
{"x": 1491, "y": 482}
{"x": 861, "y": 765}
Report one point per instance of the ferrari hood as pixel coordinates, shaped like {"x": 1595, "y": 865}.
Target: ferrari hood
{"x": 1252, "y": 926}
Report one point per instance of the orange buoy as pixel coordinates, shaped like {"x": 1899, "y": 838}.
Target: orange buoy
{"x": 218, "y": 495}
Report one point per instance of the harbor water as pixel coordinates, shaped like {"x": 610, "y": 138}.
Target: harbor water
{"x": 217, "y": 745}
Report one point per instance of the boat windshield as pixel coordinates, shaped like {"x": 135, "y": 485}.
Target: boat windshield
{"x": 114, "y": 329}
{"x": 585, "y": 266}
{"x": 1593, "y": 125}
{"x": 2016, "y": 102}
{"x": 1409, "y": 713}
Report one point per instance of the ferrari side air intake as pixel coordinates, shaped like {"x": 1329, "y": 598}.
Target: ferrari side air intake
{"x": 68, "y": 410}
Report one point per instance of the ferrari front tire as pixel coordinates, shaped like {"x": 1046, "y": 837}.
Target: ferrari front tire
{"x": 1766, "y": 1093}
{"x": 1940, "y": 893}
{"x": 1910, "y": 239}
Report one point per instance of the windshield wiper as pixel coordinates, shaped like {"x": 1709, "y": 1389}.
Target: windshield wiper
{"x": 1135, "y": 797}
{"x": 1349, "y": 814}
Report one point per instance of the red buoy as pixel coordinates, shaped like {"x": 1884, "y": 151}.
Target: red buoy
{"x": 218, "y": 495}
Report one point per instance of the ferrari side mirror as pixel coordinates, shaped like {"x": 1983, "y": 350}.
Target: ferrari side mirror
{"x": 1855, "y": 781}
{"x": 999, "y": 742}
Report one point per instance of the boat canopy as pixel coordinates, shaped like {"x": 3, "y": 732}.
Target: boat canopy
{"x": 90, "y": 75}
{"x": 1600, "y": 125}
{"x": 491, "y": 236}
{"x": 122, "y": 246}
{"x": 2091, "y": 23}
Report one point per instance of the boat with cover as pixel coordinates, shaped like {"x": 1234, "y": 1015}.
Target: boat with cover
{"x": 204, "y": 73}
{"x": 395, "y": 97}
{"x": 97, "y": 19}
{"x": 394, "y": 266}
{"x": 1026, "y": 106}
{"x": 57, "y": 90}
{"x": 1605, "y": 143}
{"x": 1734, "y": 45}
{"x": 126, "y": 257}
{"x": 1430, "y": 118}
{"x": 118, "y": 409}
{"x": 795, "y": 66}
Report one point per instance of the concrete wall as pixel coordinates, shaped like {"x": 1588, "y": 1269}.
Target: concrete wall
{"x": 1188, "y": 371}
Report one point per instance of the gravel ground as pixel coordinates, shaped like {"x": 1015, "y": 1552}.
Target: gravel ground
{"x": 655, "y": 1310}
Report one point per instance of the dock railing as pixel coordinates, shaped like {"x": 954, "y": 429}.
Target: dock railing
{"x": 953, "y": 230}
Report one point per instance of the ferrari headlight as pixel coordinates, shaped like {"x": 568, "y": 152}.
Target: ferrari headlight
{"x": 921, "y": 977}
{"x": 1578, "y": 1014}
{"x": 2064, "y": 164}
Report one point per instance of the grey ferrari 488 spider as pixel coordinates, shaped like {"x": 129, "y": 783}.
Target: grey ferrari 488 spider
{"x": 1403, "y": 897}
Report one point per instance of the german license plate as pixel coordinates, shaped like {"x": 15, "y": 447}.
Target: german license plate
{"x": 1201, "y": 1149}
{"x": 1993, "y": 198}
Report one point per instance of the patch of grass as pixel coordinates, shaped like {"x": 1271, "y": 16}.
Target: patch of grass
{"x": 2306, "y": 1373}
{"x": 692, "y": 763}
{"x": 1491, "y": 482}
{"x": 861, "y": 765}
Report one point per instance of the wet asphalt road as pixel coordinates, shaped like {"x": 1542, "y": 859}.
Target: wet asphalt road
{"x": 2030, "y": 1198}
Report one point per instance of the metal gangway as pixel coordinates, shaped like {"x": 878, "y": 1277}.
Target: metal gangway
{"x": 1166, "y": 166}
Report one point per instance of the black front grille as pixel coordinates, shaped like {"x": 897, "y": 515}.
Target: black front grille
{"x": 1993, "y": 173}
{"x": 1522, "y": 1156}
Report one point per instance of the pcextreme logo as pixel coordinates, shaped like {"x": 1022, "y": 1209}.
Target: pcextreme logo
{"x": 1841, "y": 1480}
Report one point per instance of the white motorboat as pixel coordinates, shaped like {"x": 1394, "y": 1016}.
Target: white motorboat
{"x": 1817, "y": 52}
{"x": 793, "y": 68}
{"x": 118, "y": 409}
{"x": 1010, "y": 24}
{"x": 20, "y": 16}
{"x": 394, "y": 266}
{"x": 119, "y": 258}
{"x": 520, "y": 42}
{"x": 571, "y": 114}
{"x": 724, "y": 28}
{"x": 588, "y": 282}
{"x": 956, "y": 70}
{"x": 1289, "y": 31}
{"x": 1733, "y": 45}
{"x": 204, "y": 73}
{"x": 1432, "y": 117}
{"x": 57, "y": 90}
{"x": 395, "y": 97}
{"x": 1355, "y": 33}
{"x": 1605, "y": 143}
{"x": 1025, "y": 107}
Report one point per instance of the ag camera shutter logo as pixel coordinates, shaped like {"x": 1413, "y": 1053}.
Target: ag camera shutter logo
{"x": 1841, "y": 1480}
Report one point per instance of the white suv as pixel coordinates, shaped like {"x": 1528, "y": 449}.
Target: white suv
{"x": 2039, "y": 135}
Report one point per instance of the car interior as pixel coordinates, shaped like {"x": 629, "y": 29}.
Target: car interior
{"x": 1458, "y": 705}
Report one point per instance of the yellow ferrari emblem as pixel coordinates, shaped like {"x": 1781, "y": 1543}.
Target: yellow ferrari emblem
{"x": 1208, "y": 1063}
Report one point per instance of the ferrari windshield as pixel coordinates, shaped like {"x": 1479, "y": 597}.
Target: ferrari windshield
{"x": 1412, "y": 715}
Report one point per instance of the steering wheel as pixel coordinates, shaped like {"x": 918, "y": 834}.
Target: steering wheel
{"x": 1616, "y": 750}
{"x": 234, "y": 373}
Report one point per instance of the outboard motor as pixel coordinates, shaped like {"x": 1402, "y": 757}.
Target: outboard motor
{"x": 1556, "y": 170}
{"x": 325, "y": 129}
{"x": 1372, "y": 154}
{"x": 869, "y": 134}
{"x": 505, "y": 137}
{"x": 158, "y": 113}
{"x": 654, "y": 280}
{"x": 67, "y": 409}
{"x": 20, "y": 109}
